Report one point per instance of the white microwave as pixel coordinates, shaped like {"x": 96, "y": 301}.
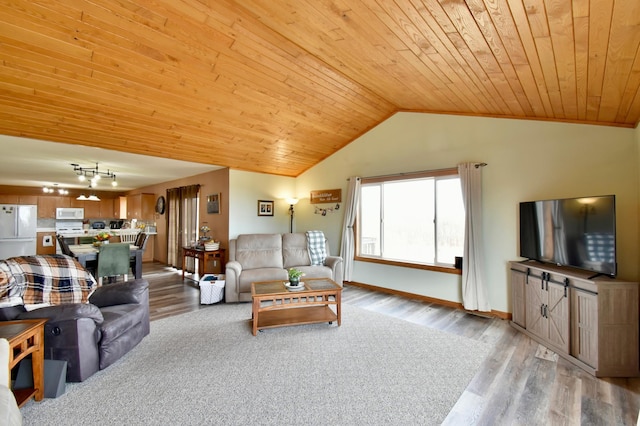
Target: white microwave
{"x": 69, "y": 213}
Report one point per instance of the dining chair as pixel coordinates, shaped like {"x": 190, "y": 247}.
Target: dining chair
{"x": 141, "y": 243}
{"x": 85, "y": 240}
{"x": 64, "y": 247}
{"x": 113, "y": 260}
{"x": 140, "y": 239}
{"x": 128, "y": 238}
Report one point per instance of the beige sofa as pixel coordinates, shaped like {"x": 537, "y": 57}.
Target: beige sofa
{"x": 265, "y": 257}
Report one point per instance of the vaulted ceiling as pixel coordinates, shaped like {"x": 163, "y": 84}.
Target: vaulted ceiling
{"x": 276, "y": 86}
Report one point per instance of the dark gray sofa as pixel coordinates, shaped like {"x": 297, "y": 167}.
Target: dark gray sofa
{"x": 89, "y": 329}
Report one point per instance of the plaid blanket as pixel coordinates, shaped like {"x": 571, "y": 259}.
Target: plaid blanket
{"x": 52, "y": 279}
{"x": 316, "y": 247}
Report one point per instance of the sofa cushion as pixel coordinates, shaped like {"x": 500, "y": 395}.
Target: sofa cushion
{"x": 257, "y": 275}
{"x": 315, "y": 271}
{"x": 259, "y": 251}
{"x": 54, "y": 279}
{"x": 294, "y": 250}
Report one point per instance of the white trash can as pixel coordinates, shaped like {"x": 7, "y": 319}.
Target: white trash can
{"x": 211, "y": 288}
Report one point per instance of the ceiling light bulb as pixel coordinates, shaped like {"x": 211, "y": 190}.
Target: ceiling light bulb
{"x": 114, "y": 183}
{"x": 81, "y": 178}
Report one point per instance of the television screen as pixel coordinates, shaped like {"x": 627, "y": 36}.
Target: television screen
{"x": 577, "y": 232}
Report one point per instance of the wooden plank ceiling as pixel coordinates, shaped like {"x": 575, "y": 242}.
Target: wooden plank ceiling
{"x": 276, "y": 86}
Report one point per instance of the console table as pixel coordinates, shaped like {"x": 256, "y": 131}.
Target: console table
{"x": 26, "y": 337}
{"x": 592, "y": 321}
{"x": 203, "y": 256}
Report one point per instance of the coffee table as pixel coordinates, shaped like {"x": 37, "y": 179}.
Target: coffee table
{"x": 274, "y": 305}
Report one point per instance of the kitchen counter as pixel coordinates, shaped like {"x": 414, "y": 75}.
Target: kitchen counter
{"x": 94, "y": 232}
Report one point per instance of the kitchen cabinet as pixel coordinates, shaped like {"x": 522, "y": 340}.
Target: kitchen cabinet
{"x": 28, "y": 199}
{"x": 148, "y": 254}
{"x": 9, "y": 199}
{"x": 120, "y": 207}
{"x": 91, "y": 208}
{"x": 107, "y": 210}
{"x": 18, "y": 199}
{"x": 590, "y": 320}
{"x": 47, "y": 205}
{"x": 141, "y": 207}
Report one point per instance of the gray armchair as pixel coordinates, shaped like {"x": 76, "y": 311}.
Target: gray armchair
{"x": 91, "y": 336}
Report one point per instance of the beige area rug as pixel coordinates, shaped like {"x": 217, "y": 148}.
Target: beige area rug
{"x": 206, "y": 367}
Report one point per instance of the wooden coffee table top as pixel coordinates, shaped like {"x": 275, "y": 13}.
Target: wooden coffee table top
{"x": 278, "y": 287}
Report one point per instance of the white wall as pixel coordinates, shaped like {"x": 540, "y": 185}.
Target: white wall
{"x": 245, "y": 189}
{"x": 526, "y": 159}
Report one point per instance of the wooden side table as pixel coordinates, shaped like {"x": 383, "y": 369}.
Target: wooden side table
{"x": 203, "y": 256}
{"x": 26, "y": 337}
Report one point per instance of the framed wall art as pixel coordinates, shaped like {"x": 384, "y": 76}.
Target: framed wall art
{"x": 213, "y": 203}
{"x": 265, "y": 208}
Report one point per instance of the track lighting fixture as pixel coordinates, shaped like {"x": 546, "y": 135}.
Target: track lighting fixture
{"x": 93, "y": 174}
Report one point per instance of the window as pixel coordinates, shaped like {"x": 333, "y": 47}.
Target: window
{"x": 416, "y": 218}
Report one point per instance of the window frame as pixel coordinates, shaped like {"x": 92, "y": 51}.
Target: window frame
{"x": 450, "y": 172}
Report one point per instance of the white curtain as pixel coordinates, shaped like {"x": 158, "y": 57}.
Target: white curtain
{"x": 347, "y": 247}
{"x": 474, "y": 292}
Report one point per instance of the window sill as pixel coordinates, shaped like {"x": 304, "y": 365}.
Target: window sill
{"x": 443, "y": 269}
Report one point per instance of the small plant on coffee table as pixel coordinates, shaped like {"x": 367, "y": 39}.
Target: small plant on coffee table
{"x": 294, "y": 276}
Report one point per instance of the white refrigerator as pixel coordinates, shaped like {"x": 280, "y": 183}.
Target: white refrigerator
{"x": 18, "y": 225}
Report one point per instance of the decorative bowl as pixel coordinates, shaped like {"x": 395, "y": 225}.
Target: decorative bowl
{"x": 211, "y": 246}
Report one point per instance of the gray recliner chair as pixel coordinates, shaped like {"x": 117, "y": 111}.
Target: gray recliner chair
{"x": 92, "y": 336}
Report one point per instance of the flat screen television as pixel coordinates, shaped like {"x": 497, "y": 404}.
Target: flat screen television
{"x": 575, "y": 232}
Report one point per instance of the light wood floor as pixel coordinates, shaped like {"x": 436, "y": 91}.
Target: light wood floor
{"x": 520, "y": 382}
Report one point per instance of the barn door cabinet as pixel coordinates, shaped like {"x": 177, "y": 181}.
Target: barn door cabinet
{"x": 590, "y": 321}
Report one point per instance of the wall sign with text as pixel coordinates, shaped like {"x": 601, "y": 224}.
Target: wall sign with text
{"x": 326, "y": 196}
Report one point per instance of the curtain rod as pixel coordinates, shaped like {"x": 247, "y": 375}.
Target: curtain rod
{"x": 477, "y": 165}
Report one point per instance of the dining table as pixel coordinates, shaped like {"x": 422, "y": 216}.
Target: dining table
{"x": 88, "y": 252}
